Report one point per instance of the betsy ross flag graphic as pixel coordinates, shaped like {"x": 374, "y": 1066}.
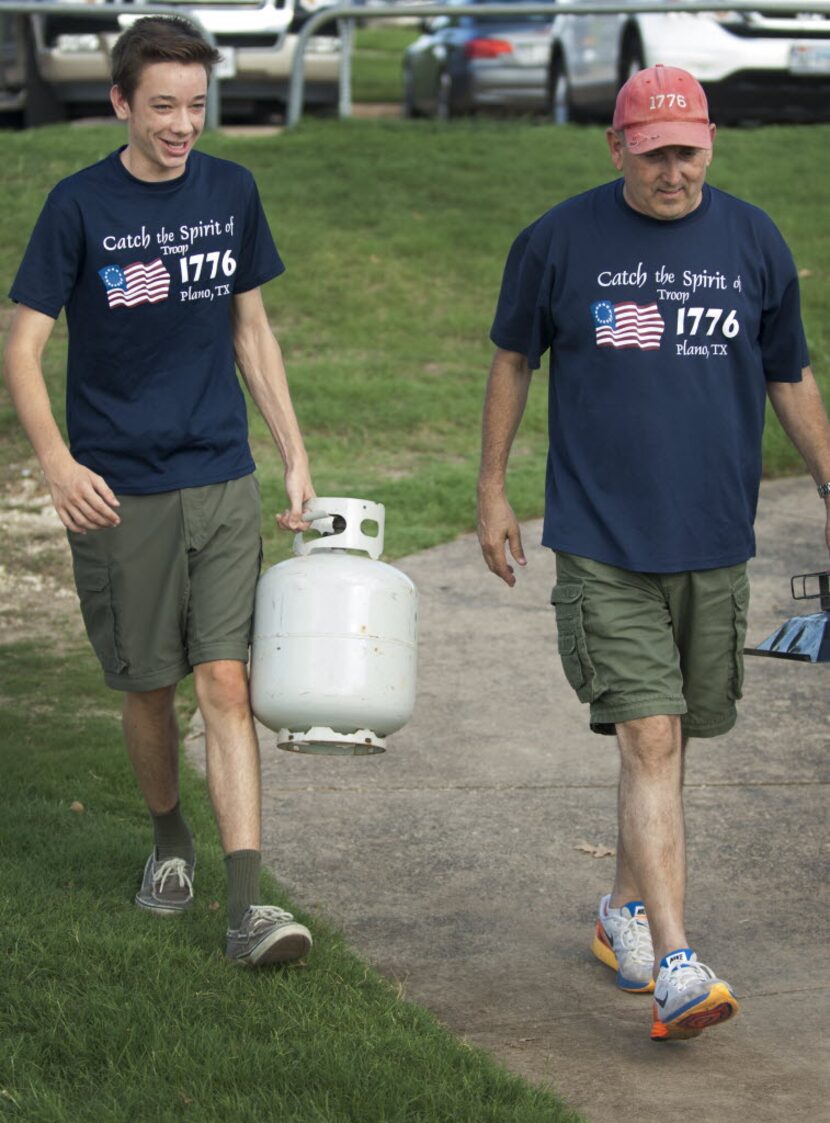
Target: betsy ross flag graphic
{"x": 135, "y": 284}
{"x": 627, "y": 325}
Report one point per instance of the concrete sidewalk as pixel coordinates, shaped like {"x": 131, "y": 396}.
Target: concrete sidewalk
{"x": 452, "y": 861}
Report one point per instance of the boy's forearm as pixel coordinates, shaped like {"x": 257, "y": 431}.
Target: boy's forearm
{"x": 259, "y": 358}
{"x": 27, "y": 389}
{"x": 264, "y": 374}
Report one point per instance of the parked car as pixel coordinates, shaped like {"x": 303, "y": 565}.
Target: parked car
{"x": 466, "y": 62}
{"x": 760, "y": 66}
{"x": 54, "y": 65}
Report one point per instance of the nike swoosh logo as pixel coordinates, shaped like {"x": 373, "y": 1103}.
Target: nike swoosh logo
{"x": 661, "y": 1001}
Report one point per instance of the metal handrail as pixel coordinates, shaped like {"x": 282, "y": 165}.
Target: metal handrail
{"x": 350, "y": 12}
{"x": 91, "y": 11}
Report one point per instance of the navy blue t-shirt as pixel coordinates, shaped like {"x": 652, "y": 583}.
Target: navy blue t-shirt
{"x": 662, "y": 336}
{"x": 146, "y": 272}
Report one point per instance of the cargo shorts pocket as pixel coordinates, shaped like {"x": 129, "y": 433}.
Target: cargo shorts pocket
{"x": 740, "y": 615}
{"x": 93, "y": 584}
{"x": 573, "y": 650}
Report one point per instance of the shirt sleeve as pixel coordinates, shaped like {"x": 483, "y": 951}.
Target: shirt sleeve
{"x": 259, "y": 259}
{"x": 783, "y": 343}
{"x": 53, "y": 259}
{"x": 523, "y": 321}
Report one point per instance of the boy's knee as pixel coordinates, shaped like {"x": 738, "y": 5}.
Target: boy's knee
{"x": 150, "y": 702}
{"x": 222, "y": 684}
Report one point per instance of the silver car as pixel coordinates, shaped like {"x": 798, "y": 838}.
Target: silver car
{"x": 465, "y": 62}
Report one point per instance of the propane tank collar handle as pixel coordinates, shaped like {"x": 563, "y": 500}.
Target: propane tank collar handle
{"x": 338, "y": 523}
{"x": 325, "y": 522}
{"x": 315, "y": 515}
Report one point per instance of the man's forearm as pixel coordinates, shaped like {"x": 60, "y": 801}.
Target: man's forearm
{"x": 504, "y": 406}
{"x": 800, "y": 409}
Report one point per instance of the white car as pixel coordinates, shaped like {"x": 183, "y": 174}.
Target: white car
{"x": 52, "y": 64}
{"x": 754, "y": 66}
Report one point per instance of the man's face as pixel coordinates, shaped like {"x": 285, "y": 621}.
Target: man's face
{"x": 164, "y": 118}
{"x": 665, "y": 183}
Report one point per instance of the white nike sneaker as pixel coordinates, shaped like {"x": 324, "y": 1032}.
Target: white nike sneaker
{"x": 622, "y": 941}
{"x": 688, "y": 998}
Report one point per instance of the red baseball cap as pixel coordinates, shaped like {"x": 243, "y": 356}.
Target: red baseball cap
{"x": 662, "y": 105}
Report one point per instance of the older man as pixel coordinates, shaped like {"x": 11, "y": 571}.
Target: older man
{"x": 670, "y": 310}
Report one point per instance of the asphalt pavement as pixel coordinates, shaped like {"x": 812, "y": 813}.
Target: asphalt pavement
{"x": 460, "y": 863}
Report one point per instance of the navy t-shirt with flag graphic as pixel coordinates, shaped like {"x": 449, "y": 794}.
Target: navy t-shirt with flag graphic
{"x": 662, "y": 336}
{"x": 146, "y": 272}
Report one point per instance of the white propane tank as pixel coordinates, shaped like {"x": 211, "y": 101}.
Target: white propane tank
{"x": 334, "y": 644}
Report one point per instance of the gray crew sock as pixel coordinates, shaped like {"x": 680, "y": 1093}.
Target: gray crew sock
{"x": 243, "y": 883}
{"x": 172, "y": 835}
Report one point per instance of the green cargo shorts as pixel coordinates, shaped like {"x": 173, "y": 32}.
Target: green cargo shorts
{"x": 636, "y": 645}
{"x": 173, "y": 584}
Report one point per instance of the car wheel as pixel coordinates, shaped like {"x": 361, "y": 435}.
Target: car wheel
{"x": 42, "y": 105}
{"x": 559, "y": 93}
{"x": 443, "y": 101}
{"x": 631, "y": 58}
{"x": 268, "y": 112}
{"x": 410, "y": 110}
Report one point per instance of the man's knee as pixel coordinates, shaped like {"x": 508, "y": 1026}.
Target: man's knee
{"x": 222, "y": 685}
{"x": 650, "y": 742}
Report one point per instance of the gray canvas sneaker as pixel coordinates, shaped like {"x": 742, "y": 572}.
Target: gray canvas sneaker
{"x": 267, "y": 934}
{"x": 167, "y": 887}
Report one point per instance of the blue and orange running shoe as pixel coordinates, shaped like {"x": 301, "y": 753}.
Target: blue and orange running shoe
{"x": 688, "y": 998}
{"x": 622, "y": 941}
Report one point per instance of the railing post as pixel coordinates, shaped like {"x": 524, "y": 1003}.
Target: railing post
{"x": 213, "y": 108}
{"x": 344, "y": 103}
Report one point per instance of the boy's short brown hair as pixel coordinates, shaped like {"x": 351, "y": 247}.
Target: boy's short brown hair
{"x": 158, "y": 39}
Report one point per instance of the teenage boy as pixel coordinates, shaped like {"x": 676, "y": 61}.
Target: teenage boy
{"x": 157, "y": 254}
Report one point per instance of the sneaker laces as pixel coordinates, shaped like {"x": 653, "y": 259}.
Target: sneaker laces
{"x": 635, "y": 937}
{"x": 171, "y": 867}
{"x": 264, "y": 916}
{"x": 682, "y": 975}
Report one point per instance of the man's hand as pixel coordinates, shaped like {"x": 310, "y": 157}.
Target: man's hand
{"x": 300, "y": 490}
{"x": 84, "y": 501}
{"x": 496, "y": 525}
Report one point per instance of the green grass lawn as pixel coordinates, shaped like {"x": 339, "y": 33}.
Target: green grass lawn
{"x": 394, "y": 234}
{"x": 376, "y": 62}
{"x": 108, "y": 1015}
